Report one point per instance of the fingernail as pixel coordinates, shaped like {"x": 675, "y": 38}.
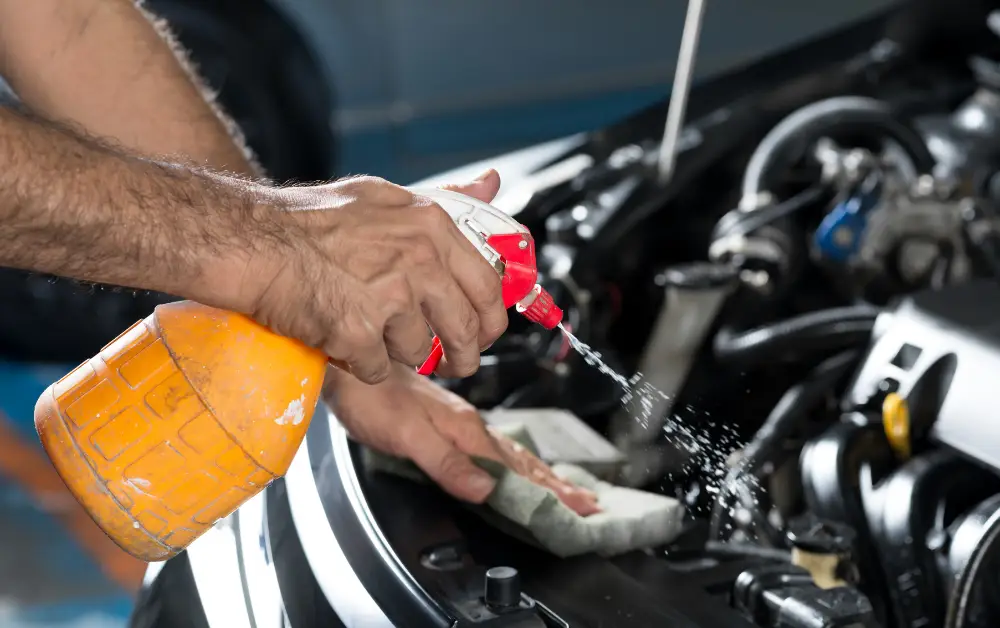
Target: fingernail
{"x": 481, "y": 484}
{"x": 483, "y": 176}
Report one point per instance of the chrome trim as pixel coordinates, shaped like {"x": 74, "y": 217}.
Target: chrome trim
{"x": 215, "y": 567}
{"x": 233, "y": 572}
{"x": 340, "y": 447}
{"x": 152, "y": 572}
{"x": 334, "y": 574}
{"x": 260, "y": 581}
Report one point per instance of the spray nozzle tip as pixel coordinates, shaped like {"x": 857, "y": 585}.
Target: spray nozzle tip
{"x": 541, "y": 309}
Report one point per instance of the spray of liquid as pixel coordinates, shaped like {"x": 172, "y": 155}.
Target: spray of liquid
{"x": 593, "y": 358}
{"x": 708, "y": 445}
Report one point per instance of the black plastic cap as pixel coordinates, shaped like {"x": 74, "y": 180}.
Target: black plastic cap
{"x": 503, "y": 587}
{"x": 812, "y": 534}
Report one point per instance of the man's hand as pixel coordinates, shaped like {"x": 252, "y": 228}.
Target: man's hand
{"x": 411, "y": 417}
{"x": 362, "y": 266}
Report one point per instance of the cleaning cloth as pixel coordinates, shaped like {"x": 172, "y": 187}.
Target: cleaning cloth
{"x": 630, "y": 519}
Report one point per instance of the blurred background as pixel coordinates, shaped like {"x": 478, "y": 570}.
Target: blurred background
{"x": 324, "y": 88}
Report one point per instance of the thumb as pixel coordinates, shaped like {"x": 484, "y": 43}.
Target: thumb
{"x": 484, "y": 187}
{"x": 450, "y": 468}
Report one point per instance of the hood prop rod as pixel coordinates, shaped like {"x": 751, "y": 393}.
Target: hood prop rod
{"x": 680, "y": 90}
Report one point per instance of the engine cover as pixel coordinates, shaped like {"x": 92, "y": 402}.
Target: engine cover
{"x": 941, "y": 351}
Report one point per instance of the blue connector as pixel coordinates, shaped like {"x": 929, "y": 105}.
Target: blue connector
{"x": 839, "y": 235}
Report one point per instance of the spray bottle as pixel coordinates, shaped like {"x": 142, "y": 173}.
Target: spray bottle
{"x": 194, "y": 410}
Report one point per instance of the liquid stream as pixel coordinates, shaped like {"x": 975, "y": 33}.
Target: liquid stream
{"x": 708, "y": 445}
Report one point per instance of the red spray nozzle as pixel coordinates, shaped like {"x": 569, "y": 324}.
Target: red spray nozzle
{"x": 519, "y": 275}
{"x": 539, "y": 307}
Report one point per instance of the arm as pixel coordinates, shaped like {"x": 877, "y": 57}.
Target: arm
{"x": 358, "y": 268}
{"x": 111, "y": 69}
{"x": 73, "y": 207}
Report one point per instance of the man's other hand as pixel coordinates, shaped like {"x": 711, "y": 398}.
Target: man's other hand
{"x": 411, "y": 417}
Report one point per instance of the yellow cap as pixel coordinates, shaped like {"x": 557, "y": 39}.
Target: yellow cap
{"x": 896, "y": 423}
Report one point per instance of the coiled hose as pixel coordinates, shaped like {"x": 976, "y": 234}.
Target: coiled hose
{"x": 792, "y": 137}
{"x": 793, "y": 408}
{"x": 813, "y": 332}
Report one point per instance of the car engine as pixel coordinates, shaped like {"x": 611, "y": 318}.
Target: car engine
{"x": 823, "y": 348}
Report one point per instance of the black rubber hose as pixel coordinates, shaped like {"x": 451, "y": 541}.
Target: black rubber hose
{"x": 794, "y": 135}
{"x": 790, "y": 411}
{"x": 739, "y": 222}
{"x": 747, "y": 550}
{"x": 822, "y": 330}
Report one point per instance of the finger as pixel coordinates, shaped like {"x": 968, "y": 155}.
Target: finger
{"x": 455, "y": 322}
{"x": 407, "y": 338}
{"x": 359, "y": 344}
{"x": 480, "y": 281}
{"x": 579, "y": 500}
{"x": 445, "y": 304}
{"x": 525, "y": 463}
{"x": 406, "y": 335}
{"x": 450, "y": 468}
{"x": 374, "y": 367}
{"x": 483, "y": 288}
{"x": 484, "y": 187}
{"x": 465, "y": 428}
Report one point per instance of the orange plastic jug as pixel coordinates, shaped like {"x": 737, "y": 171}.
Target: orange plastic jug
{"x": 177, "y": 422}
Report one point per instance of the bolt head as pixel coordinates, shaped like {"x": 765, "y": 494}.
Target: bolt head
{"x": 843, "y": 236}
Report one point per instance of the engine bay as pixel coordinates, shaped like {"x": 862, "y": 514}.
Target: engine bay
{"x": 814, "y": 299}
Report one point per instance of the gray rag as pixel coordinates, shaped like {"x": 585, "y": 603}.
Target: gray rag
{"x": 630, "y": 519}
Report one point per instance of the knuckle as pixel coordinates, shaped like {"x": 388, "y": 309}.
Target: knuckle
{"x": 434, "y": 217}
{"x": 412, "y": 358}
{"x": 369, "y": 374}
{"x": 377, "y": 189}
{"x": 463, "y": 366}
{"x": 356, "y": 336}
{"x": 398, "y": 295}
{"x": 361, "y": 182}
{"x": 472, "y": 432}
{"x": 488, "y": 292}
{"x": 468, "y": 329}
{"x": 335, "y": 350}
{"x": 452, "y": 463}
{"x": 379, "y": 372}
{"x": 419, "y": 351}
{"x": 467, "y": 370}
{"x": 422, "y": 252}
{"x": 500, "y": 327}
{"x": 409, "y": 346}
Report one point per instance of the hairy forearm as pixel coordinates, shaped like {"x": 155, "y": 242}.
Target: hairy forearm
{"x": 73, "y": 207}
{"x": 106, "y": 67}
